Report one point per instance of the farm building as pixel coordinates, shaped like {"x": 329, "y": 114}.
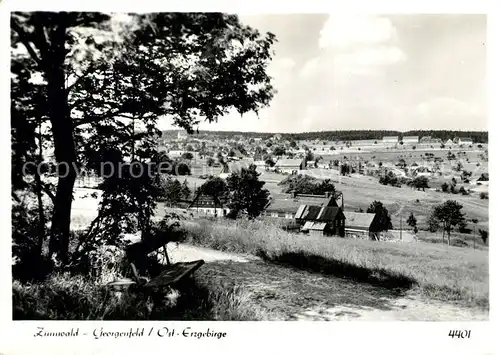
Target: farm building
{"x": 284, "y": 206}
{"x": 429, "y": 140}
{"x": 324, "y": 220}
{"x": 208, "y": 205}
{"x": 289, "y": 166}
{"x": 364, "y": 142}
{"x": 359, "y": 225}
{"x": 450, "y": 143}
{"x": 390, "y": 139}
{"x": 410, "y": 139}
{"x": 465, "y": 141}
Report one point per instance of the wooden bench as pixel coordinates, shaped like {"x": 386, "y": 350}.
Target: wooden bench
{"x": 169, "y": 275}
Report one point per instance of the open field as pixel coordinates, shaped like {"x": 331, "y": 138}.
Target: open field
{"x": 449, "y": 274}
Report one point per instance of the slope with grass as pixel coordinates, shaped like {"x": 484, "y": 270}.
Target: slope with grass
{"x": 449, "y": 274}
{"x": 278, "y": 292}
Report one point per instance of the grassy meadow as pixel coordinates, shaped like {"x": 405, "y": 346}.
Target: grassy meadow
{"x": 447, "y": 273}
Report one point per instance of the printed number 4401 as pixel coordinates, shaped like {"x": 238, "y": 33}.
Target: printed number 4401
{"x": 459, "y": 334}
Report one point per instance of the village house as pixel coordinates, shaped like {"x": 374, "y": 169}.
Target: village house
{"x": 390, "y": 139}
{"x": 324, "y": 220}
{"x": 428, "y": 140}
{"x": 449, "y": 143}
{"x": 208, "y": 205}
{"x": 290, "y": 166}
{"x": 364, "y": 142}
{"x": 410, "y": 139}
{"x": 360, "y": 225}
{"x": 466, "y": 141}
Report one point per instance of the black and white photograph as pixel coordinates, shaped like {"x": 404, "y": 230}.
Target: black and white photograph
{"x": 212, "y": 166}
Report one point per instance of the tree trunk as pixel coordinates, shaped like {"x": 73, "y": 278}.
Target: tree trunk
{"x": 64, "y": 145}
{"x": 39, "y": 192}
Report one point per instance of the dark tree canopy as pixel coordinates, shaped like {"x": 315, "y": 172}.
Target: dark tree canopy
{"x": 105, "y": 84}
{"x": 246, "y": 192}
{"x": 449, "y": 214}
{"x": 382, "y": 219}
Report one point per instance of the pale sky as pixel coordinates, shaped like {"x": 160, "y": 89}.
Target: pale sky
{"x": 398, "y": 72}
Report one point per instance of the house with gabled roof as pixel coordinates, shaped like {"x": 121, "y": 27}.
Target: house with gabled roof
{"x": 410, "y": 139}
{"x": 360, "y": 225}
{"x": 390, "y": 139}
{"x": 290, "y": 166}
{"x": 463, "y": 140}
{"x": 209, "y": 205}
{"x": 326, "y": 220}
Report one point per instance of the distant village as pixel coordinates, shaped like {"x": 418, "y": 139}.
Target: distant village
{"x": 317, "y": 214}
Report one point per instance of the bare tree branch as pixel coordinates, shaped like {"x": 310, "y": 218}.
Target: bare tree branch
{"x": 23, "y": 36}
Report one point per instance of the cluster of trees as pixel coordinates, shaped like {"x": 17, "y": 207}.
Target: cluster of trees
{"x": 390, "y": 179}
{"x": 172, "y": 191}
{"x": 243, "y": 192}
{"x": 452, "y": 188}
{"x": 419, "y": 183}
{"x": 305, "y": 184}
{"x": 100, "y": 80}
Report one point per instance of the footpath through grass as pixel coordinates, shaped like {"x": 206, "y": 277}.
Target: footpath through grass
{"x": 450, "y": 274}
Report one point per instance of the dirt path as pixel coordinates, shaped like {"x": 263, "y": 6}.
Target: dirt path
{"x": 292, "y": 294}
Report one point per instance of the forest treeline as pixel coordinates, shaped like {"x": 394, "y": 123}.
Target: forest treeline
{"x": 476, "y": 136}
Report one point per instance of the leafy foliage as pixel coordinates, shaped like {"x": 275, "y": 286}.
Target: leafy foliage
{"x": 450, "y": 215}
{"x": 305, "y": 184}
{"x": 246, "y": 192}
{"x": 101, "y": 83}
{"x": 420, "y": 182}
{"x": 382, "y": 219}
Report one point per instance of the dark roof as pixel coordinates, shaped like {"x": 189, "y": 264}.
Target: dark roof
{"x": 201, "y": 200}
{"x": 318, "y": 213}
{"x": 290, "y": 205}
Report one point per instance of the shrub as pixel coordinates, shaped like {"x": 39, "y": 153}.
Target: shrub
{"x": 484, "y": 235}
{"x": 483, "y": 196}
